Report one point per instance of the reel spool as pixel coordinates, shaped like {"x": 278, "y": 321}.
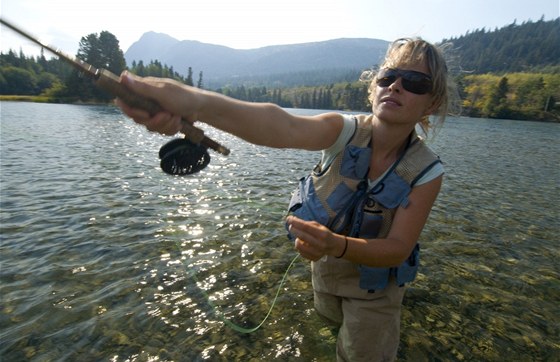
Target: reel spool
{"x": 182, "y": 157}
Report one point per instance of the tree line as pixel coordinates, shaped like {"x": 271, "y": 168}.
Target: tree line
{"x": 520, "y": 88}
{"x": 532, "y": 96}
{"x": 527, "y": 47}
{"x": 340, "y": 96}
{"x": 53, "y": 80}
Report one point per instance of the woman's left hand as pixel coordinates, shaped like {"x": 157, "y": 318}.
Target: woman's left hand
{"x": 314, "y": 240}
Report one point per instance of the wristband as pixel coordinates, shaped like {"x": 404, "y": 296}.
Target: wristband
{"x": 345, "y": 248}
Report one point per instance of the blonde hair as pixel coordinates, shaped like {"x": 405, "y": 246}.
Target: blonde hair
{"x": 406, "y": 51}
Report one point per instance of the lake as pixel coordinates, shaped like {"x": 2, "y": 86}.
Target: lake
{"x": 104, "y": 257}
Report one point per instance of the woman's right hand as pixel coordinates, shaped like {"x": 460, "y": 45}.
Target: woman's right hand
{"x": 262, "y": 124}
{"x": 178, "y": 101}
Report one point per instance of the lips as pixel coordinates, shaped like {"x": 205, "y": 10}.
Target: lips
{"x": 391, "y": 100}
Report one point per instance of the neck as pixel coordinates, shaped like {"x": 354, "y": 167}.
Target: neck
{"x": 389, "y": 140}
{"x": 388, "y": 144}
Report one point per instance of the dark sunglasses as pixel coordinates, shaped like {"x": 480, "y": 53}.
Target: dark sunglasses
{"x": 412, "y": 81}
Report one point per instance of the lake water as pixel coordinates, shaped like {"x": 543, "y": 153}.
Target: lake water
{"x": 104, "y": 257}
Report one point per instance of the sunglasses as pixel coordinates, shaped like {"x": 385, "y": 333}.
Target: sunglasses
{"x": 412, "y": 81}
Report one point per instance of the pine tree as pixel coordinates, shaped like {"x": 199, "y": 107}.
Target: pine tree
{"x": 101, "y": 51}
{"x": 496, "y": 106}
{"x": 189, "y": 80}
{"x": 199, "y": 84}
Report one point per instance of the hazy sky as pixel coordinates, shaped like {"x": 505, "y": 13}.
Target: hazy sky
{"x": 245, "y": 24}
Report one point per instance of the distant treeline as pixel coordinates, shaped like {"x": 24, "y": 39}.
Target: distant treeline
{"x": 529, "y": 47}
{"x": 156, "y": 69}
{"x": 523, "y": 96}
{"x": 497, "y": 73}
{"x": 340, "y": 96}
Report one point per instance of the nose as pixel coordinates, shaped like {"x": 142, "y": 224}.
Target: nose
{"x": 396, "y": 86}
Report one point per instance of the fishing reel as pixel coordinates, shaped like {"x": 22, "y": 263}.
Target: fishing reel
{"x": 183, "y": 157}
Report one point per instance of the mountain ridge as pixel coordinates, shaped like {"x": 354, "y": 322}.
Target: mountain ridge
{"x": 224, "y": 65}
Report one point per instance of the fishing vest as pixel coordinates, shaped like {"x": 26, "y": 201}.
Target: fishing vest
{"x": 339, "y": 198}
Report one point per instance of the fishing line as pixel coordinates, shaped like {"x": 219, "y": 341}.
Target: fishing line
{"x": 180, "y": 157}
{"x": 228, "y": 322}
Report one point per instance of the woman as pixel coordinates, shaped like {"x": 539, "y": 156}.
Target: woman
{"x": 359, "y": 214}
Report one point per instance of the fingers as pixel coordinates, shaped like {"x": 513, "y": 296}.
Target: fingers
{"x": 148, "y": 88}
{"x": 135, "y": 83}
{"x": 295, "y": 221}
{"x": 134, "y": 113}
{"x": 312, "y": 239}
{"x": 306, "y": 250}
{"x": 162, "y": 122}
{"x": 173, "y": 126}
{"x": 168, "y": 93}
{"x": 309, "y": 229}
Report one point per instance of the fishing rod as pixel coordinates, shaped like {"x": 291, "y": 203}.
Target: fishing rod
{"x": 182, "y": 156}
{"x": 178, "y": 157}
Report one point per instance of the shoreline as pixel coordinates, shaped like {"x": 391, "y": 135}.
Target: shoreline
{"x": 46, "y": 99}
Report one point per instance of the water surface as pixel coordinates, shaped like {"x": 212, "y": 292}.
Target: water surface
{"x": 104, "y": 257}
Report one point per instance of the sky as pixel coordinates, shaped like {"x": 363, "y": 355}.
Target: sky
{"x": 247, "y": 24}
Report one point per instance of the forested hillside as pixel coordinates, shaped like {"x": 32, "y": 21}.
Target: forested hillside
{"x": 512, "y": 72}
{"x": 315, "y": 63}
{"x": 531, "y": 46}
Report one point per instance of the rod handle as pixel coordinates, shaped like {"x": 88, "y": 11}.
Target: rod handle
{"x": 110, "y": 83}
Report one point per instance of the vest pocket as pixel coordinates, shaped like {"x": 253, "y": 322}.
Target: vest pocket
{"x": 297, "y": 197}
{"x": 370, "y": 225}
{"x": 406, "y": 272}
{"x": 355, "y": 162}
{"x": 305, "y": 204}
{"x": 373, "y": 278}
{"x": 392, "y": 192}
{"x": 340, "y": 198}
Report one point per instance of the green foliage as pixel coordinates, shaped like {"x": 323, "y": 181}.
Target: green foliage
{"x": 495, "y": 105}
{"x": 156, "y": 69}
{"x": 189, "y": 80}
{"x": 21, "y": 75}
{"x": 513, "y": 48}
{"x": 21, "y": 81}
{"x": 101, "y": 51}
{"x": 341, "y": 96}
{"x": 517, "y": 96}
{"x": 310, "y": 78}
{"x": 515, "y": 73}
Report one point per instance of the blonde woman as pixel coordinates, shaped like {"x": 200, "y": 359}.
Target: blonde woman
{"x": 358, "y": 216}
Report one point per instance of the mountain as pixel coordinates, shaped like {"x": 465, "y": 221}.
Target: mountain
{"x": 223, "y": 65}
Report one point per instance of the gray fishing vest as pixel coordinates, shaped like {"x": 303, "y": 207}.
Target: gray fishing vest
{"x": 338, "y": 198}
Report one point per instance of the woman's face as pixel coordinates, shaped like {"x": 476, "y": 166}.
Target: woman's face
{"x": 395, "y": 104}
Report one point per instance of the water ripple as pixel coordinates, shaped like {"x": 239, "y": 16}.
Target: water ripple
{"x": 104, "y": 257}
